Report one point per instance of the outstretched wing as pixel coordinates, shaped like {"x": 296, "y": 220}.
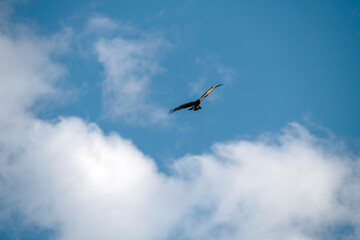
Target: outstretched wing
{"x": 209, "y": 91}
{"x": 185, "y": 105}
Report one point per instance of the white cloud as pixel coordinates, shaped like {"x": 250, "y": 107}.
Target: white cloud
{"x": 283, "y": 188}
{"x": 93, "y": 186}
{"x": 27, "y": 72}
{"x": 69, "y": 176}
{"x": 130, "y": 65}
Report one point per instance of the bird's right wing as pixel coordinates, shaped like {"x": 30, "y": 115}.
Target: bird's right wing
{"x": 209, "y": 91}
{"x": 185, "y": 105}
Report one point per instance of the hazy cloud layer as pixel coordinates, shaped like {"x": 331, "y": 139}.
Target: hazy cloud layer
{"x": 68, "y": 176}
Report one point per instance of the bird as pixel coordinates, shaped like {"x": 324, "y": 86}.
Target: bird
{"x": 195, "y": 105}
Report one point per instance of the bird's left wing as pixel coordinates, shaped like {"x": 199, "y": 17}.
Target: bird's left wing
{"x": 209, "y": 91}
{"x": 185, "y": 105}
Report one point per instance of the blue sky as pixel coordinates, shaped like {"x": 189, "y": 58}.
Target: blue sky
{"x": 87, "y": 87}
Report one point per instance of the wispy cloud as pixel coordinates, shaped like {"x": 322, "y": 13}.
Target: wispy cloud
{"x": 130, "y": 59}
{"x": 129, "y": 66}
{"x": 101, "y": 23}
{"x": 6, "y": 10}
{"x": 212, "y": 71}
{"x": 102, "y": 26}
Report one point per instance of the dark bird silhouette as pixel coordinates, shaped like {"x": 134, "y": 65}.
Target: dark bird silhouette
{"x": 195, "y": 105}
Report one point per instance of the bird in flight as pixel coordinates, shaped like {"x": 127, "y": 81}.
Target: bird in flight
{"x": 195, "y": 105}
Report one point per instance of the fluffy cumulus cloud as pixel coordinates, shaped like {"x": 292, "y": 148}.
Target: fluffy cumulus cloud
{"x": 69, "y": 176}
{"x": 66, "y": 175}
{"x": 288, "y": 186}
